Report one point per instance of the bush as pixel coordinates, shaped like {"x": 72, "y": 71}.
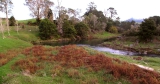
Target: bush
{"x": 157, "y": 32}
{"x": 131, "y": 32}
{"x": 147, "y": 30}
{"x": 47, "y": 29}
{"x": 109, "y": 25}
{"x": 12, "y": 21}
{"x": 68, "y": 30}
{"x": 113, "y": 29}
{"x": 82, "y": 29}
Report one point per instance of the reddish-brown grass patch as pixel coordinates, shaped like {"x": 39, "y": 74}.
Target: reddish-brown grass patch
{"x": 5, "y": 57}
{"x": 72, "y": 56}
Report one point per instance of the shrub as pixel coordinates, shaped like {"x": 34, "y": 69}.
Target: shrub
{"x": 12, "y": 21}
{"x": 47, "y": 29}
{"x": 147, "y": 30}
{"x": 113, "y": 29}
{"x": 68, "y": 30}
{"x": 157, "y": 32}
{"x": 131, "y": 32}
{"x": 109, "y": 25}
{"x": 82, "y": 29}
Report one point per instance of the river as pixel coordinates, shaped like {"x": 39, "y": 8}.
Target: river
{"x": 94, "y": 44}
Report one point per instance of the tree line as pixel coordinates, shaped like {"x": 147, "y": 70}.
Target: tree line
{"x": 68, "y": 22}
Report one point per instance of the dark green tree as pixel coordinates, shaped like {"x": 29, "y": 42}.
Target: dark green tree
{"x": 12, "y": 21}
{"x": 126, "y": 25}
{"x": 82, "y": 30}
{"x": 109, "y": 25}
{"x": 147, "y": 30}
{"x": 47, "y": 29}
{"x": 156, "y": 19}
{"x": 68, "y": 30}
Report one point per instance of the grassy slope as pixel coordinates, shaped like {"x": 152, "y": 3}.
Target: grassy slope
{"x": 56, "y": 72}
{"x": 104, "y": 35}
{"x": 44, "y": 77}
{"x": 15, "y": 42}
{"x": 6, "y": 69}
{"x": 18, "y": 40}
{"x": 64, "y": 75}
{"x": 26, "y": 21}
{"x": 10, "y": 43}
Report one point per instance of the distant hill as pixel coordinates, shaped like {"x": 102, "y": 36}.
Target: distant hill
{"x": 136, "y": 20}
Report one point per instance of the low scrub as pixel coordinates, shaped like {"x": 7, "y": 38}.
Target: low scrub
{"x": 131, "y": 32}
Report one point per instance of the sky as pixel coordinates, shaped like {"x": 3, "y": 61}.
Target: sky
{"x": 138, "y": 9}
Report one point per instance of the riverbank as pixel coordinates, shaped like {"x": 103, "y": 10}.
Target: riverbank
{"x": 131, "y": 44}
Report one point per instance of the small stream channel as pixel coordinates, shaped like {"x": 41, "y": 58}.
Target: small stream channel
{"x": 94, "y": 45}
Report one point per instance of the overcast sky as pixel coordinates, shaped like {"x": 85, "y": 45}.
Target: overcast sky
{"x": 126, "y": 9}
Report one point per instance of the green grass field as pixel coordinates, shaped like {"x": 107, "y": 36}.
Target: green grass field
{"x": 104, "y": 35}
{"x": 20, "y": 39}
{"x": 10, "y": 43}
{"x": 26, "y": 21}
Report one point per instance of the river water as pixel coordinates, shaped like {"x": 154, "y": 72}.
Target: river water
{"x": 94, "y": 44}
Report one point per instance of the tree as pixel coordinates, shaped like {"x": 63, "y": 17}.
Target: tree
{"x": 147, "y": 30}
{"x": 50, "y": 15}
{"x": 112, "y": 12}
{"x": 93, "y": 21}
{"x": 109, "y": 25}
{"x": 17, "y": 29}
{"x": 126, "y": 25}
{"x": 96, "y": 19}
{"x": 1, "y": 27}
{"x": 92, "y": 9}
{"x": 47, "y": 29}
{"x": 12, "y": 21}
{"x": 82, "y": 30}
{"x": 68, "y": 30}
{"x": 38, "y": 8}
{"x": 156, "y": 19}
{"x": 6, "y": 6}
{"x": 59, "y": 19}
{"x": 73, "y": 13}
{"x": 92, "y": 6}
